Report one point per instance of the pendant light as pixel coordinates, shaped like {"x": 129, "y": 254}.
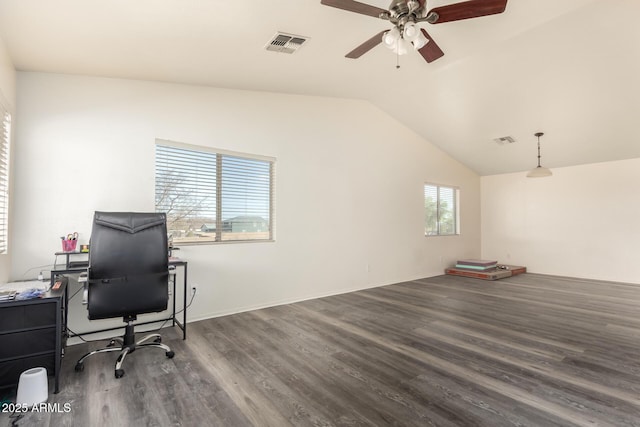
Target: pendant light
{"x": 539, "y": 171}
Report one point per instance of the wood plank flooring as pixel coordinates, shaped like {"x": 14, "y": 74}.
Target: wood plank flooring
{"x": 530, "y": 350}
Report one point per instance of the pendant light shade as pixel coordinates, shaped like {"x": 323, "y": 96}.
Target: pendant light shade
{"x": 539, "y": 171}
{"x": 410, "y": 32}
{"x": 391, "y": 37}
{"x": 420, "y": 41}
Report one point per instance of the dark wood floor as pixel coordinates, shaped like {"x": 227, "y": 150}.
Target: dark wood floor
{"x": 530, "y": 350}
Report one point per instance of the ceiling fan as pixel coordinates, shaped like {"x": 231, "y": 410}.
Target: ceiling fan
{"x": 405, "y": 14}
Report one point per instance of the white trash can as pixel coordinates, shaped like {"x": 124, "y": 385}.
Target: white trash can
{"x": 33, "y": 387}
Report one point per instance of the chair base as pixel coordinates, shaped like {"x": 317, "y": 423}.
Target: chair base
{"x": 126, "y": 345}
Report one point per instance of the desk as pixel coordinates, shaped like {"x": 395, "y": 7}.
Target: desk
{"x": 32, "y": 334}
{"x": 173, "y": 262}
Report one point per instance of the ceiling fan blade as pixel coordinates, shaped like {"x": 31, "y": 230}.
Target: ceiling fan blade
{"x": 468, "y": 9}
{"x": 430, "y": 51}
{"x": 366, "y": 46}
{"x": 354, "y": 6}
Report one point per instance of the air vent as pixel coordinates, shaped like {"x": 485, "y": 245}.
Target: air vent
{"x": 504, "y": 140}
{"x": 286, "y": 43}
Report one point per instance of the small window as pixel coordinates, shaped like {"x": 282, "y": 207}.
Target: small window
{"x": 213, "y": 196}
{"x": 5, "y": 144}
{"x": 440, "y": 210}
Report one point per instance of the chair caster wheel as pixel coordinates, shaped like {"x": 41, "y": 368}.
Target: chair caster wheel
{"x": 158, "y": 340}
{"x": 170, "y": 354}
{"x": 119, "y": 373}
{"x": 79, "y": 367}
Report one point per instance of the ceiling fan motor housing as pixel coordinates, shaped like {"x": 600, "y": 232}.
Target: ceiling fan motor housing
{"x": 403, "y": 11}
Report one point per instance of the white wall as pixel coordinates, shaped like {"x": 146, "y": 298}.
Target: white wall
{"x": 581, "y": 222}
{"x": 349, "y": 184}
{"x": 7, "y": 96}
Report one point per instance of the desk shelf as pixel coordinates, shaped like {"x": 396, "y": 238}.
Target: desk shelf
{"x": 83, "y": 262}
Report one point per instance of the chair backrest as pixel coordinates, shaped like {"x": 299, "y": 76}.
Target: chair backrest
{"x": 128, "y": 264}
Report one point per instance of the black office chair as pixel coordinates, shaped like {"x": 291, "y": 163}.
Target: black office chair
{"x": 128, "y": 275}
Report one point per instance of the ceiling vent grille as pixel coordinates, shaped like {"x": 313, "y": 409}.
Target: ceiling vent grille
{"x": 504, "y": 140}
{"x": 286, "y": 43}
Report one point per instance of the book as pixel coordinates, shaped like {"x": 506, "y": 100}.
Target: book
{"x": 476, "y": 267}
{"x": 477, "y": 262}
{"x": 7, "y": 295}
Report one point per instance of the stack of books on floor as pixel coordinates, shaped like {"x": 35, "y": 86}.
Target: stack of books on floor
{"x": 486, "y": 270}
{"x": 476, "y": 264}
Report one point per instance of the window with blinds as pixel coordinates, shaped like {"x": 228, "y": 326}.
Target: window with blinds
{"x": 5, "y": 138}
{"x": 213, "y": 196}
{"x": 441, "y": 210}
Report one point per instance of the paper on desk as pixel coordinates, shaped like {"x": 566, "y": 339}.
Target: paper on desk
{"x": 23, "y": 286}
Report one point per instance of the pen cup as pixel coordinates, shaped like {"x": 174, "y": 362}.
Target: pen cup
{"x": 69, "y": 245}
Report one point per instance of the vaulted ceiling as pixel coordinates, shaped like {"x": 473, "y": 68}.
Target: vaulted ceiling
{"x": 568, "y": 68}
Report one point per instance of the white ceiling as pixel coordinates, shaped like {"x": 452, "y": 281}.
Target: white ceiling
{"x": 569, "y": 68}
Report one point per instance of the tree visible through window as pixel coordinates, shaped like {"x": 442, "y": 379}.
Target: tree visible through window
{"x": 212, "y": 196}
{"x": 441, "y": 210}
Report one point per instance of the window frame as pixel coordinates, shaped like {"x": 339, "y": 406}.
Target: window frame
{"x": 5, "y": 174}
{"x": 221, "y": 234}
{"x": 456, "y": 209}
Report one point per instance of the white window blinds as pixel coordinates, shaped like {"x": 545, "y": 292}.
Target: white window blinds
{"x": 5, "y": 138}
{"x": 212, "y": 196}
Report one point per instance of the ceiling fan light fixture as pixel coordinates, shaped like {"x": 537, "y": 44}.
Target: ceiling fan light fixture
{"x": 420, "y": 41}
{"x": 410, "y": 32}
{"x": 391, "y": 37}
{"x": 402, "y": 47}
{"x": 539, "y": 171}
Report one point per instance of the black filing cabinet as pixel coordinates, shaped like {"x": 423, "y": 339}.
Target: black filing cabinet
{"x": 32, "y": 334}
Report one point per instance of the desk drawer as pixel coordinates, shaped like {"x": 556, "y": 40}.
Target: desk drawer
{"x": 14, "y": 317}
{"x": 26, "y": 343}
{"x": 10, "y": 371}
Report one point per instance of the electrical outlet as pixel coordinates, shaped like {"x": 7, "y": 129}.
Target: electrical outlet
{"x": 194, "y": 288}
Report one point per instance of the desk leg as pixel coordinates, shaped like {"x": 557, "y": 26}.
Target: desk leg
{"x": 57, "y": 358}
{"x": 61, "y": 308}
{"x": 184, "y": 312}
{"x": 173, "y": 318}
